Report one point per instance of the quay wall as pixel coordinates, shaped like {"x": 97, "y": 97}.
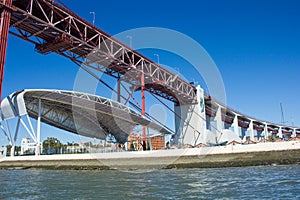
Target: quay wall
{"x": 202, "y": 157}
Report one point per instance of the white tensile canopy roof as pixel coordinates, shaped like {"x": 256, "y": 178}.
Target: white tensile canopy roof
{"x": 84, "y": 114}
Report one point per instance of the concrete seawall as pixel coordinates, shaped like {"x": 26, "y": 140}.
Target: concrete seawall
{"x": 222, "y": 156}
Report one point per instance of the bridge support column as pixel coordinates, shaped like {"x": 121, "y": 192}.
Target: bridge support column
{"x": 294, "y": 133}
{"x": 218, "y": 119}
{"x": 266, "y": 132}
{"x": 143, "y": 110}
{"x": 251, "y": 131}
{"x": 280, "y": 133}
{"x": 236, "y": 125}
{"x": 4, "y": 29}
{"x": 119, "y": 89}
{"x": 190, "y": 121}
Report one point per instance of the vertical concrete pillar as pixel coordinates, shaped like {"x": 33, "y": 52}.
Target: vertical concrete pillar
{"x": 192, "y": 121}
{"x": 12, "y": 150}
{"x": 251, "y": 130}
{"x": 294, "y": 133}
{"x": 218, "y": 119}
{"x": 280, "y": 132}
{"x": 236, "y": 125}
{"x": 266, "y": 132}
{"x": 202, "y": 113}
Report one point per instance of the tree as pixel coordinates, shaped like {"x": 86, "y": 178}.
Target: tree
{"x": 51, "y": 145}
{"x": 17, "y": 149}
{"x": 8, "y": 148}
{"x": 271, "y": 138}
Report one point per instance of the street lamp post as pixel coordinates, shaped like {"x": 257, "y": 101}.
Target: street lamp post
{"x": 177, "y": 69}
{"x": 130, "y": 40}
{"x": 94, "y": 17}
{"x": 157, "y": 55}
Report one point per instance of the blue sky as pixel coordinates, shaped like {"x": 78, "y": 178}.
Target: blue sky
{"x": 255, "y": 44}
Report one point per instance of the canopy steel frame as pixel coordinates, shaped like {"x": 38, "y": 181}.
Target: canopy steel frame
{"x": 80, "y": 113}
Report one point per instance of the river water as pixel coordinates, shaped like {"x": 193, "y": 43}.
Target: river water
{"x": 266, "y": 182}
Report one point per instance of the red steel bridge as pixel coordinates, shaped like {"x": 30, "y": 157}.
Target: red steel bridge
{"x": 53, "y": 28}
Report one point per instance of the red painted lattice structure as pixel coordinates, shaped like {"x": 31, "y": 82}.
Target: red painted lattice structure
{"x": 5, "y": 9}
{"x": 53, "y": 28}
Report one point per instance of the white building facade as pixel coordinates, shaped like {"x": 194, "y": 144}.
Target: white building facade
{"x": 27, "y": 147}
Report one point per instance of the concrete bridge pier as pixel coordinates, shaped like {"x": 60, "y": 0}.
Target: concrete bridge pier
{"x": 280, "y": 133}
{"x": 219, "y": 123}
{"x": 190, "y": 121}
{"x": 266, "y": 132}
{"x": 294, "y": 133}
{"x": 236, "y": 125}
{"x": 251, "y": 131}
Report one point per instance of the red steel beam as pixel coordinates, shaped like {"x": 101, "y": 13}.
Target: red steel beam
{"x": 5, "y": 9}
{"x": 143, "y": 108}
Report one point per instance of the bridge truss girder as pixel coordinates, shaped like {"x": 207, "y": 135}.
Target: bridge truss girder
{"x": 53, "y": 28}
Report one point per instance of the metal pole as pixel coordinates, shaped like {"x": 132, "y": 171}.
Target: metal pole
{"x": 119, "y": 90}
{"x": 94, "y": 17}
{"x": 4, "y": 29}
{"x": 38, "y": 131}
{"x": 157, "y": 55}
{"x": 143, "y": 108}
{"x": 130, "y": 40}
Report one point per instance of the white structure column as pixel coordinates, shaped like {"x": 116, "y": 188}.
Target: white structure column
{"x": 192, "y": 121}
{"x": 266, "y": 132}
{"x": 280, "y": 132}
{"x": 294, "y": 135}
{"x": 38, "y": 131}
{"x": 218, "y": 119}
{"x": 251, "y": 131}
{"x": 236, "y": 125}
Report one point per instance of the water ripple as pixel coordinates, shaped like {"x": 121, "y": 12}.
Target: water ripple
{"x": 269, "y": 182}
